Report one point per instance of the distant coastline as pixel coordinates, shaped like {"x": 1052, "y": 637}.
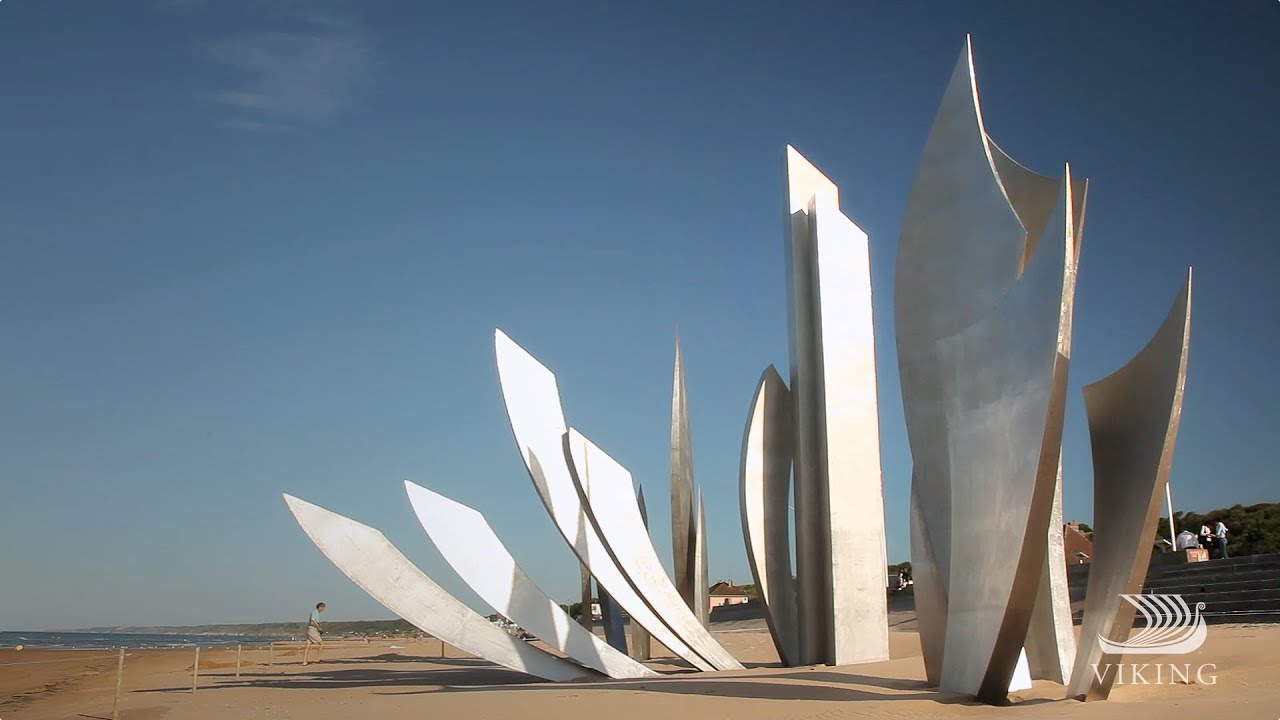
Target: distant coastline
{"x": 366, "y": 628}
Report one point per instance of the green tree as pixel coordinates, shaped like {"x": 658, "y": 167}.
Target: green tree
{"x": 1252, "y": 529}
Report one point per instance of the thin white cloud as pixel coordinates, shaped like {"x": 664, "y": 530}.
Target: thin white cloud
{"x": 240, "y": 123}
{"x": 305, "y": 75}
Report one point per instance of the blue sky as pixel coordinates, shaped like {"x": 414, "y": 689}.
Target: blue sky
{"x": 249, "y": 248}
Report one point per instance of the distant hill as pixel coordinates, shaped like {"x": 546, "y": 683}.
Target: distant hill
{"x": 1253, "y": 529}
{"x": 357, "y": 628}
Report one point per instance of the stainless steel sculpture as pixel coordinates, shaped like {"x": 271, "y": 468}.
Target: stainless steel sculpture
{"x": 641, "y": 644}
{"x": 701, "y": 591}
{"x": 611, "y": 620}
{"x": 1133, "y": 424}
{"x": 984, "y": 303}
{"x": 984, "y": 298}
{"x": 840, "y": 556}
{"x": 613, "y": 511}
{"x": 1051, "y": 638}
{"x": 586, "y": 596}
{"x": 765, "y": 494}
{"x": 468, "y": 543}
{"x": 998, "y": 443}
{"x": 687, "y": 569}
{"x": 372, "y": 562}
{"x": 537, "y": 422}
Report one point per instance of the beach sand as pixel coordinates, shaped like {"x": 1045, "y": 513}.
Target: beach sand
{"x": 410, "y": 679}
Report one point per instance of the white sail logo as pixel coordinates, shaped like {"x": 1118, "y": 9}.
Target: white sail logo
{"x": 1172, "y": 627}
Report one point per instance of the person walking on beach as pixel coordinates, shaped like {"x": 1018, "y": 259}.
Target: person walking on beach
{"x": 314, "y": 632}
{"x": 1220, "y": 532}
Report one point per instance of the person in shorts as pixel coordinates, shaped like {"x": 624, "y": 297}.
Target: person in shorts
{"x": 314, "y": 634}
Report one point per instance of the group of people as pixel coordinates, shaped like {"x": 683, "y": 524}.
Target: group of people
{"x": 1207, "y": 538}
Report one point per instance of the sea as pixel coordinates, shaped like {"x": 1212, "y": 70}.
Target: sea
{"x": 86, "y": 640}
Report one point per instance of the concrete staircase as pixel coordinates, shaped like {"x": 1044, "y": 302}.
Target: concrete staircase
{"x": 1238, "y": 589}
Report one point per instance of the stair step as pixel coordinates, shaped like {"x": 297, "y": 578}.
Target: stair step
{"x": 1235, "y": 590}
{"x": 1260, "y": 615}
{"x": 1242, "y": 581}
{"x": 1213, "y": 595}
{"x": 1212, "y": 584}
{"x": 1231, "y": 565}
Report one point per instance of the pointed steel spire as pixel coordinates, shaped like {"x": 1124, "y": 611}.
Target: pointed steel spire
{"x": 682, "y": 522}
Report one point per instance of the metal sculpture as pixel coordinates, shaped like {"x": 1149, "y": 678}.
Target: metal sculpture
{"x": 366, "y": 556}
{"x": 537, "y": 422}
{"x": 840, "y": 551}
{"x": 611, "y": 620}
{"x": 984, "y": 301}
{"x": 1051, "y": 638}
{"x": 701, "y": 591}
{"x": 1133, "y": 424}
{"x": 613, "y": 511}
{"x": 586, "y": 596}
{"x": 468, "y": 543}
{"x": 682, "y": 519}
{"x": 765, "y": 494}
{"x": 641, "y": 644}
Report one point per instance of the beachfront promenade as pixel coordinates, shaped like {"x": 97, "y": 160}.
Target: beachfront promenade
{"x": 413, "y": 679}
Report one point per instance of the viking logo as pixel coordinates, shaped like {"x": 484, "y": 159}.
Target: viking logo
{"x": 1172, "y": 627}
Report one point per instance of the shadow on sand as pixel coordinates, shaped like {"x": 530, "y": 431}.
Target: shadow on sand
{"x": 480, "y": 676}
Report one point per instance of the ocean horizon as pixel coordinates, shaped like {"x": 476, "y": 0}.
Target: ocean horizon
{"x": 59, "y": 640}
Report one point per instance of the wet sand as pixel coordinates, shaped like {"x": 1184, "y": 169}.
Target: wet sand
{"x": 415, "y": 681}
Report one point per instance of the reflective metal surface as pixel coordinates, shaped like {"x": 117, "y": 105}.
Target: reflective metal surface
{"x": 841, "y": 607}
{"x": 1133, "y": 424}
{"x": 813, "y": 557}
{"x": 929, "y": 579}
{"x": 641, "y": 644}
{"x": 537, "y": 422}
{"x": 611, "y": 620}
{"x": 372, "y": 562}
{"x": 468, "y": 543}
{"x": 614, "y": 513}
{"x": 1051, "y": 638}
{"x": 586, "y": 597}
{"x": 962, "y": 243}
{"x": 983, "y": 311}
{"x": 959, "y": 252}
{"x": 682, "y": 521}
{"x": 701, "y": 591}
{"x": 1003, "y": 410}
{"x": 850, "y": 438}
{"x": 765, "y": 495}
{"x": 1051, "y": 642}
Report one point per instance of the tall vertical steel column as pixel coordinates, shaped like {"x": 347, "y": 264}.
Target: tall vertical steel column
{"x": 701, "y": 591}
{"x": 840, "y": 558}
{"x": 682, "y": 521}
{"x": 641, "y": 642}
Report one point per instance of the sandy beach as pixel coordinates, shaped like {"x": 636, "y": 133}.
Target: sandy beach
{"x": 411, "y": 679}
